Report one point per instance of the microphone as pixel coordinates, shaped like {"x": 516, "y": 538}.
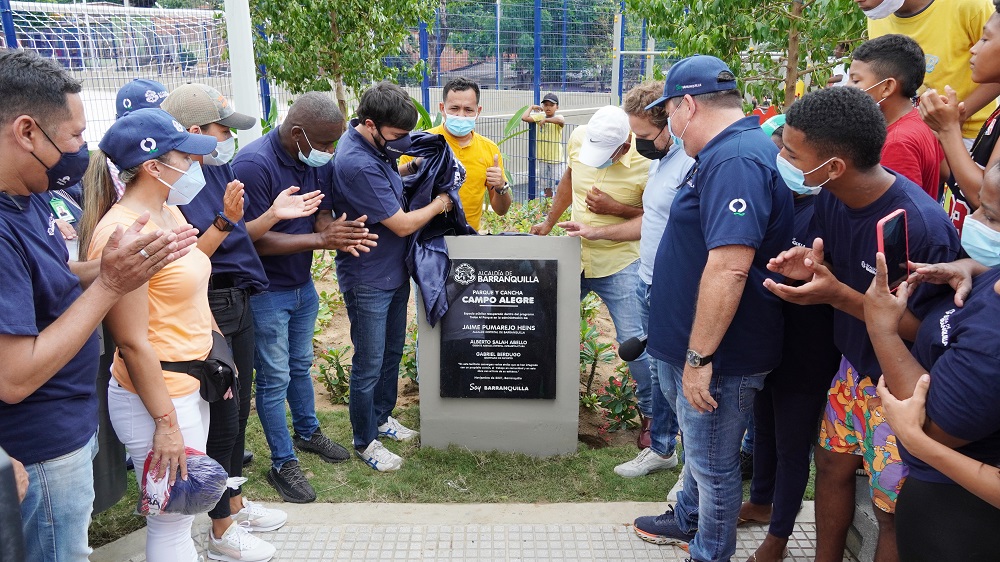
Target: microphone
{"x": 632, "y": 348}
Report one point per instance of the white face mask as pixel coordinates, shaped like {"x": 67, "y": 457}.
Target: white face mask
{"x": 883, "y": 10}
{"x": 224, "y": 152}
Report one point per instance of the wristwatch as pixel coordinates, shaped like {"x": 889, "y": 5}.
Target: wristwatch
{"x": 222, "y": 222}
{"x": 696, "y": 359}
{"x": 503, "y": 189}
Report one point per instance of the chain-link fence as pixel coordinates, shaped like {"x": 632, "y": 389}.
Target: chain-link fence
{"x": 107, "y": 46}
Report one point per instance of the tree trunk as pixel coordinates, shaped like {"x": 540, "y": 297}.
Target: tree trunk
{"x": 792, "y": 64}
{"x": 439, "y": 41}
{"x": 336, "y": 72}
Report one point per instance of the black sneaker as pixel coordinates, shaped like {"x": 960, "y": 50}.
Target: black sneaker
{"x": 322, "y": 446}
{"x": 291, "y": 484}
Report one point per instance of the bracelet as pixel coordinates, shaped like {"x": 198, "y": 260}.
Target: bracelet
{"x": 412, "y": 166}
{"x": 444, "y": 206}
{"x": 167, "y": 433}
{"x": 166, "y": 416}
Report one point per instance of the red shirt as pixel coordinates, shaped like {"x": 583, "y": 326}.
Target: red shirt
{"x": 912, "y": 150}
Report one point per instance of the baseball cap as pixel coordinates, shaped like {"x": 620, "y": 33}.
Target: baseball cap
{"x": 773, "y": 123}
{"x": 149, "y": 133}
{"x": 606, "y": 131}
{"x": 138, "y": 94}
{"x": 697, "y": 74}
{"x": 551, "y": 97}
{"x": 200, "y": 104}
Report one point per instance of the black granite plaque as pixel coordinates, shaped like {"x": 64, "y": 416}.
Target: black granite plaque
{"x": 498, "y": 339}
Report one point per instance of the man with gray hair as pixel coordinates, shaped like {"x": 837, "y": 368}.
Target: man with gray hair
{"x": 297, "y": 153}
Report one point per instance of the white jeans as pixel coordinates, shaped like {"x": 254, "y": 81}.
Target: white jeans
{"x": 168, "y": 536}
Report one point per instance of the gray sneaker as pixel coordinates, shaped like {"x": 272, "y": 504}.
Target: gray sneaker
{"x": 322, "y": 446}
{"x": 291, "y": 484}
{"x": 646, "y": 462}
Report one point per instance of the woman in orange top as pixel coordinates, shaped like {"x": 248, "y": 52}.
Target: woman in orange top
{"x": 166, "y": 320}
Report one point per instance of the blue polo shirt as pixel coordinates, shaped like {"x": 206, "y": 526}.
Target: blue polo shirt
{"x": 960, "y": 349}
{"x": 367, "y": 183}
{"x": 61, "y": 416}
{"x": 850, "y": 241}
{"x": 733, "y": 195}
{"x": 266, "y": 169}
{"x": 236, "y": 255}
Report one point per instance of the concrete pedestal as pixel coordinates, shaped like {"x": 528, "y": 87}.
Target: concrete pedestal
{"x": 538, "y": 427}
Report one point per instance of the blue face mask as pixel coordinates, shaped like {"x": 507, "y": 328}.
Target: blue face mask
{"x": 458, "y": 125}
{"x": 795, "y": 178}
{"x": 678, "y": 140}
{"x": 224, "y": 152}
{"x": 316, "y": 158}
{"x": 606, "y": 164}
{"x": 981, "y": 242}
{"x": 187, "y": 186}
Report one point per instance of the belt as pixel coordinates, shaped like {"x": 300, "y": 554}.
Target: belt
{"x": 222, "y": 281}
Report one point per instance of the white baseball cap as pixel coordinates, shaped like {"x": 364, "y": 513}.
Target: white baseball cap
{"x": 606, "y": 131}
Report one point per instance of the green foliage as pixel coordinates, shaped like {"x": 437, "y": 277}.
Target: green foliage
{"x": 619, "y": 400}
{"x": 320, "y": 44}
{"x": 322, "y": 265}
{"x": 592, "y": 351}
{"x": 267, "y": 125}
{"x": 757, "y": 39}
{"x": 590, "y": 306}
{"x": 408, "y": 365}
{"x": 335, "y": 374}
{"x": 520, "y": 218}
{"x": 425, "y": 121}
{"x": 590, "y": 401}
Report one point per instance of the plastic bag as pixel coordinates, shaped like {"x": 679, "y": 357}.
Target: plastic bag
{"x": 198, "y": 494}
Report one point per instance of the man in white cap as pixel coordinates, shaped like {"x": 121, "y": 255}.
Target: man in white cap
{"x": 604, "y": 182}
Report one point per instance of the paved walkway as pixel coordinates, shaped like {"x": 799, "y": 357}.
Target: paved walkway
{"x": 472, "y": 532}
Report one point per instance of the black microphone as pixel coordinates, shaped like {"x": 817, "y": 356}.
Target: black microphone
{"x": 632, "y": 348}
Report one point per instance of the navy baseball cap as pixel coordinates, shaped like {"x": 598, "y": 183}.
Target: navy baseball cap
{"x": 138, "y": 94}
{"x": 697, "y": 74}
{"x": 551, "y": 97}
{"x": 149, "y": 133}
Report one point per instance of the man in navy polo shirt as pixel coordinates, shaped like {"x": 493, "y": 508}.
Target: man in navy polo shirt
{"x": 297, "y": 153}
{"x": 834, "y": 138}
{"x": 717, "y": 331}
{"x": 376, "y": 285}
{"x": 48, "y": 345}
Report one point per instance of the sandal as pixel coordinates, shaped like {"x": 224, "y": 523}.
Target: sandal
{"x": 741, "y": 521}
{"x": 753, "y": 557}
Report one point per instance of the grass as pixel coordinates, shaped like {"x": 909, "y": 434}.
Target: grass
{"x": 453, "y": 475}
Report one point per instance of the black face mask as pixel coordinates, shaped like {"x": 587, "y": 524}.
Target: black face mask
{"x": 648, "y": 149}
{"x": 70, "y": 167}
{"x": 396, "y": 147}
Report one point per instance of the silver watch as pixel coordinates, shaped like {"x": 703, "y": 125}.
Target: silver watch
{"x": 502, "y": 190}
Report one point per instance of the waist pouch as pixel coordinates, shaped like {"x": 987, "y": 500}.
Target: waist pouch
{"x": 217, "y": 373}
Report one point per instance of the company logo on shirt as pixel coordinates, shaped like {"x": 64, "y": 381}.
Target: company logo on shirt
{"x": 945, "y": 323}
{"x": 932, "y": 61}
{"x": 738, "y": 207}
{"x": 52, "y": 225}
{"x": 868, "y": 268}
{"x": 465, "y": 274}
{"x": 148, "y": 144}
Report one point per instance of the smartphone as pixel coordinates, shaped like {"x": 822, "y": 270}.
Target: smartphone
{"x": 892, "y": 242}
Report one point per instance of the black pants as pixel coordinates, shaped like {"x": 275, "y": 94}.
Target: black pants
{"x": 227, "y": 427}
{"x": 787, "y": 413}
{"x": 944, "y": 522}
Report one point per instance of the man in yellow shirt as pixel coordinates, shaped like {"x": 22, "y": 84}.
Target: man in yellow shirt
{"x": 549, "y": 161}
{"x": 945, "y": 30}
{"x": 480, "y": 156}
{"x": 604, "y": 182}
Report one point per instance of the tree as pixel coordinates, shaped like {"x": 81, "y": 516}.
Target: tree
{"x": 768, "y": 44}
{"x": 333, "y": 44}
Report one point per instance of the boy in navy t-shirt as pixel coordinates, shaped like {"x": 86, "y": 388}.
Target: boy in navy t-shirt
{"x": 833, "y": 138}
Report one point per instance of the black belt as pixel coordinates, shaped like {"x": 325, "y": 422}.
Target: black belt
{"x": 222, "y": 281}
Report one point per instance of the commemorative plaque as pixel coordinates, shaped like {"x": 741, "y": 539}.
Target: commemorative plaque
{"x": 498, "y": 339}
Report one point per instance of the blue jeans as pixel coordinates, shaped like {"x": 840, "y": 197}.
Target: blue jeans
{"x": 283, "y": 330}
{"x": 56, "y": 511}
{"x": 663, "y": 429}
{"x": 378, "y": 331}
{"x": 712, "y": 494}
{"x": 618, "y": 291}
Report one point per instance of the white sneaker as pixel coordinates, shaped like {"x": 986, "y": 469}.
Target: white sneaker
{"x": 395, "y": 430}
{"x": 238, "y": 545}
{"x": 645, "y": 463}
{"x": 380, "y": 458}
{"x": 260, "y": 518}
{"x": 678, "y": 487}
